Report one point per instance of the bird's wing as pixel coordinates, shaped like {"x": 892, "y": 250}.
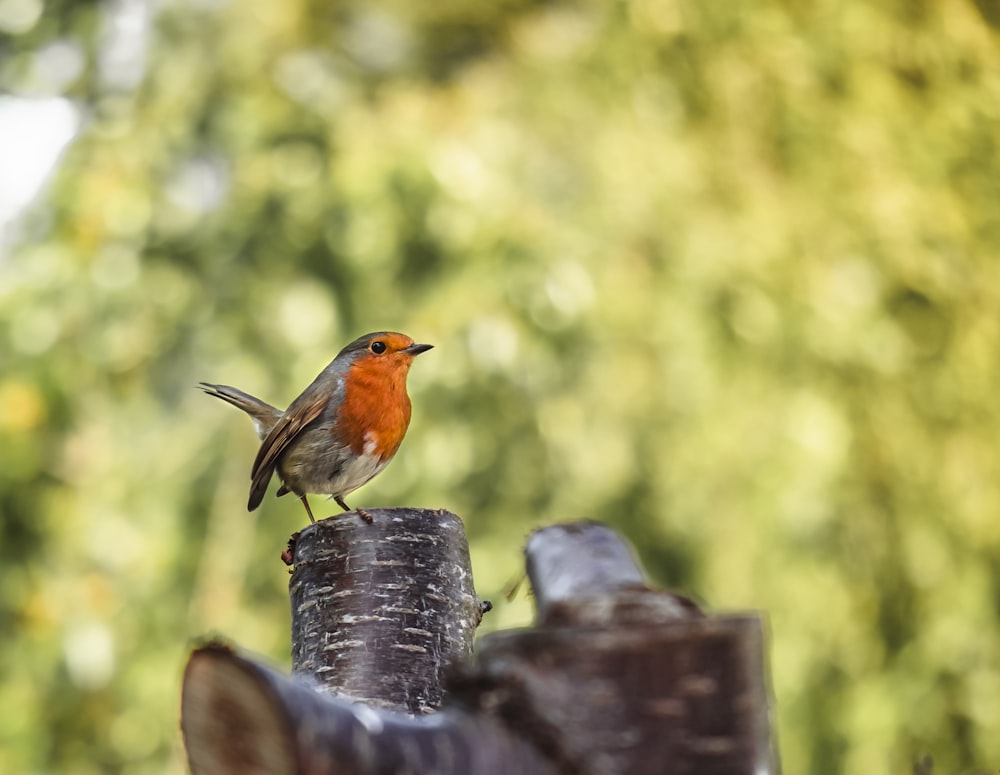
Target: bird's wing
{"x": 291, "y": 424}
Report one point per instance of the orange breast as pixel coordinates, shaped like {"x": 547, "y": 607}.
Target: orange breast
{"x": 376, "y": 408}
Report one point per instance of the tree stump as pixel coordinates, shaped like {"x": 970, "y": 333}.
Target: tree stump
{"x": 615, "y": 678}
{"x": 619, "y": 678}
{"x": 372, "y": 602}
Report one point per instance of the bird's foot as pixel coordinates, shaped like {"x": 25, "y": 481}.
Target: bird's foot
{"x": 365, "y": 515}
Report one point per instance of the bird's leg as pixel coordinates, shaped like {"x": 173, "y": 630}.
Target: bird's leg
{"x": 308, "y": 510}
{"x": 361, "y": 512}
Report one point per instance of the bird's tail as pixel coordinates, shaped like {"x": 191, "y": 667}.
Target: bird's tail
{"x": 264, "y": 415}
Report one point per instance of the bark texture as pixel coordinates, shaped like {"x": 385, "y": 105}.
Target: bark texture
{"x": 380, "y": 609}
{"x": 684, "y": 697}
{"x": 615, "y": 678}
{"x": 619, "y": 678}
{"x": 240, "y": 717}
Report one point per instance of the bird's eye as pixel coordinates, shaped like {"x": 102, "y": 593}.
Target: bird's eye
{"x": 378, "y": 347}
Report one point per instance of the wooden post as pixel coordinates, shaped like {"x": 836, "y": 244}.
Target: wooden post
{"x": 380, "y": 609}
{"x": 619, "y": 678}
{"x": 614, "y": 678}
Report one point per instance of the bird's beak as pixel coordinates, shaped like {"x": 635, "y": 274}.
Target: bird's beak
{"x": 416, "y": 349}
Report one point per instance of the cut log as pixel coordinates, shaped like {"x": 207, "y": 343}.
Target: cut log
{"x": 240, "y": 717}
{"x": 615, "y": 678}
{"x": 380, "y": 609}
{"x": 619, "y": 678}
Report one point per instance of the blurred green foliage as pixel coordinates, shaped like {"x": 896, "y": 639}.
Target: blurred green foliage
{"x": 721, "y": 274}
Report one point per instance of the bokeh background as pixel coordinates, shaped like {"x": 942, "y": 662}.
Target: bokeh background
{"x": 723, "y": 275}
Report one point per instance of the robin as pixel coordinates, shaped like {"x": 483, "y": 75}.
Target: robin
{"x": 344, "y": 428}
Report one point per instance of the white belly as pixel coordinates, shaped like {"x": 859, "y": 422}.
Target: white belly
{"x": 354, "y": 473}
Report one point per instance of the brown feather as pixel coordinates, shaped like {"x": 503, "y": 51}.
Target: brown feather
{"x": 282, "y": 434}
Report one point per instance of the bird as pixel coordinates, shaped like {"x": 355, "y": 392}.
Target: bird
{"x": 342, "y": 430}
